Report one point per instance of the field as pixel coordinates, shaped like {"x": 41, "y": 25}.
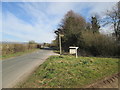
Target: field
{"x": 3, "y": 57}
{"x": 71, "y": 72}
{"x": 8, "y": 50}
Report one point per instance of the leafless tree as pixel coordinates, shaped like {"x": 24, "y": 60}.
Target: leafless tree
{"x": 113, "y": 17}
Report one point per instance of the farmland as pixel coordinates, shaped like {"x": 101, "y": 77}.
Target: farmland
{"x": 15, "y": 49}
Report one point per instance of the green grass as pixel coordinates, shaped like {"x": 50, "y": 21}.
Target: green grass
{"x": 69, "y": 72}
{"x": 56, "y": 51}
{"x": 3, "y": 57}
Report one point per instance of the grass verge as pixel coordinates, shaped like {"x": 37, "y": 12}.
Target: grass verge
{"x": 70, "y": 72}
{"x": 3, "y": 57}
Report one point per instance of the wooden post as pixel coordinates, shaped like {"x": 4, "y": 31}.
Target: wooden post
{"x": 60, "y": 44}
{"x": 76, "y": 53}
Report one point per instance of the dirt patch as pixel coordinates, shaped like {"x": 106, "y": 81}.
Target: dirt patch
{"x": 108, "y": 82}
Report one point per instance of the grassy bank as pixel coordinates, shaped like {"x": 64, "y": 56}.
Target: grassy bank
{"x": 69, "y": 72}
{"x": 3, "y": 57}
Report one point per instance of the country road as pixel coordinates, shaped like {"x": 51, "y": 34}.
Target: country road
{"x": 16, "y": 69}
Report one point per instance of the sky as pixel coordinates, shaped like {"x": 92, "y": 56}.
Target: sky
{"x": 25, "y": 21}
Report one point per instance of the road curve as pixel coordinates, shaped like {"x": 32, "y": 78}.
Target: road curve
{"x": 16, "y": 69}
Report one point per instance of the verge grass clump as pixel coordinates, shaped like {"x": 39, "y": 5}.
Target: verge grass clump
{"x": 71, "y": 72}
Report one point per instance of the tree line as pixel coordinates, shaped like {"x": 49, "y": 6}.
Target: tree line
{"x": 87, "y": 36}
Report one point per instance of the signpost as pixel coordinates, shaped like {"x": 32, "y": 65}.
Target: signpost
{"x": 73, "y": 50}
{"x": 60, "y": 35}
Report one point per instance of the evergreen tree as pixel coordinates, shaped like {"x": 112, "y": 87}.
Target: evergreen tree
{"x": 95, "y": 24}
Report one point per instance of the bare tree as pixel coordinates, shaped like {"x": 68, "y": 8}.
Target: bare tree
{"x": 113, "y": 17}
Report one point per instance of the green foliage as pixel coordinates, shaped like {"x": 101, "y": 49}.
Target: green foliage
{"x": 32, "y": 42}
{"x": 99, "y": 45}
{"x": 86, "y": 36}
{"x": 71, "y": 28}
{"x": 95, "y": 24}
{"x": 71, "y": 72}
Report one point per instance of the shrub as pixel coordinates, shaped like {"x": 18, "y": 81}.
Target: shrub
{"x": 99, "y": 45}
{"x": 14, "y": 48}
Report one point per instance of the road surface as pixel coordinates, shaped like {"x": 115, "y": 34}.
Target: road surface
{"x": 16, "y": 69}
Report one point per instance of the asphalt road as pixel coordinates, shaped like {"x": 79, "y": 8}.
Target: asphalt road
{"x": 16, "y": 69}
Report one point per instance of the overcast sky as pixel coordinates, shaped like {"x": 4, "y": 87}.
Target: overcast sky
{"x": 24, "y": 21}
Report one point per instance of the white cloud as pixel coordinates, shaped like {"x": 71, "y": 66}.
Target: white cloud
{"x": 18, "y": 28}
{"x": 60, "y": 0}
{"x": 101, "y": 7}
{"x": 40, "y": 15}
{"x": 60, "y": 8}
{"x": 45, "y": 18}
{"x": 0, "y": 21}
{"x": 107, "y": 29}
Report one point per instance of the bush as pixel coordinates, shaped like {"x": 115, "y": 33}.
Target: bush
{"x": 99, "y": 45}
{"x": 7, "y": 48}
{"x": 14, "y": 48}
